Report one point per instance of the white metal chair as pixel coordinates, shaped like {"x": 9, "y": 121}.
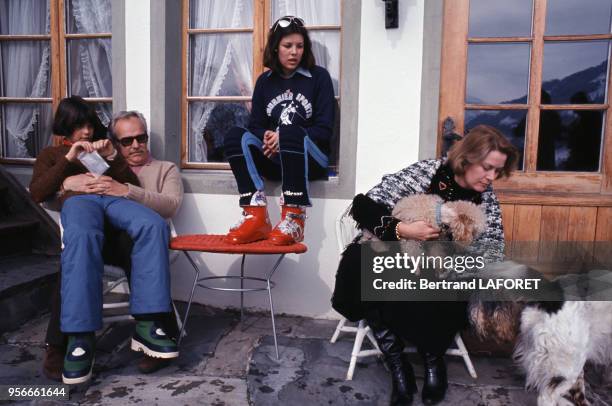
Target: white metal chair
{"x": 346, "y": 231}
{"x": 115, "y": 281}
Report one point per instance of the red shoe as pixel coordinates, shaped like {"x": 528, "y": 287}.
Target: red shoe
{"x": 291, "y": 227}
{"x": 253, "y": 226}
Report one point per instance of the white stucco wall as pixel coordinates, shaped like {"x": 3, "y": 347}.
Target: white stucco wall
{"x": 138, "y": 56}
{"x": 389, "y": 91}
{"x": 388, "y": 128}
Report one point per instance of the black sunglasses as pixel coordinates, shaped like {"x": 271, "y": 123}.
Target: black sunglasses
{"x": 285, "y": 22}
{"x": 127, "y": 141}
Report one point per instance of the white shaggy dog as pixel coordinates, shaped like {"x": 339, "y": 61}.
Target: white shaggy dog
{"x": 554, "y": 347}
{"x": 555, "y": 339}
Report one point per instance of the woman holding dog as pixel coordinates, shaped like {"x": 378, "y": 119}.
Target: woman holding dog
{"x": 287, "y": 137}
{"x": 473, "y": 163}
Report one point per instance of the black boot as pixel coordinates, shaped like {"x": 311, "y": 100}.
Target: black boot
{"x": 402, "y": 374}
{"x": 436, "y": 381}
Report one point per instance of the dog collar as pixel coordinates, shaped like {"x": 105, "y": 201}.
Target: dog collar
{"x": 438, "y": 213}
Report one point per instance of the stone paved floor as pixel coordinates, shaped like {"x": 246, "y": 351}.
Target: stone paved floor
{"x": 224, "y": 362}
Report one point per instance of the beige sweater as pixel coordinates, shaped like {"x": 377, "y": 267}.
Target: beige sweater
{"x": 161, "y": 188}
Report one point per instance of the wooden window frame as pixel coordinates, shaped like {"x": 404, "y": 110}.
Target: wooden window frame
{"x": 58, "y": 38}
{"x": 262, "y": 11}
{"x": 453, "y": 77}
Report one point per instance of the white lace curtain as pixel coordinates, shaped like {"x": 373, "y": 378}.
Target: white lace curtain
{"x": 221, "y": 64}
{"x": 25, "y": 67}
{"x": 24, "y": 72}
{"x": 91, "y": 66}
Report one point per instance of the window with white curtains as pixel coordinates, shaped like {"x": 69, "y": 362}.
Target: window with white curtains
{"x": 223, "y": 55}
{"x": 88, "y": 53}
{"x": 50, "y": 49}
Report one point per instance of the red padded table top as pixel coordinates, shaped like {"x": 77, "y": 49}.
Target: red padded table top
{"x": 215, "y": 243}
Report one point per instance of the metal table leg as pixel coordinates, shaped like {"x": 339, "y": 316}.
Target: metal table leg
{"x": 242, "y": 289}
{"x": 269, "y": 288}
{"x": 195, "y": 281}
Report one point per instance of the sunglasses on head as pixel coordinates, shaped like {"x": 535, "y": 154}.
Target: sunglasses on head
{"x": 285, "y": 22}
{"x": 127, "y": 141}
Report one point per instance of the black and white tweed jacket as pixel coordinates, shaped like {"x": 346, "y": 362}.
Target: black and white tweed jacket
{"x": 416, "y": 178}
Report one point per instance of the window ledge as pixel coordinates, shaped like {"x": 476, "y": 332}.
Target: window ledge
{"x": 223, "y": 182}
{"x": 555, "y": 199}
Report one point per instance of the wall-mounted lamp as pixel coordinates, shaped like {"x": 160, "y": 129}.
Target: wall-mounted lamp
{"x": 391, "y": 11}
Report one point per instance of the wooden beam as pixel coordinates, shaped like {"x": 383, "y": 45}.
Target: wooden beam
{"x": 323, "y": 27}
{"x": 55, "y": 60}
{"x": 555, "y": 199}
{"x": 207, "y": 165}
{"x": 28, "y": 37}
{"x": 192, "y": 31}
{"x": 184, "y": 81}
{"x": 574, "y": 106}
{"x": 89, "y": 35}
{"x": 606, "y": 149}
{"x": 63, "y": 61}
{"x": 590, "y": 37}
{"x": 498, "y": 40}
{"x": 535, "y": 86}
{"x": 26, "y": 100}
{"x": 604, "y": 224}
{"x": 527, "y": 220}
{"x": 554, "y": 223}
{"x": 582, "y": 223}
{"x": 259, "y": 38}
{"x": 219, "y": 98}
{"x": 98, "y": 99}
{"x": 550, "y": 182}
{"x": 496, "y": 106}
{"x": 454, "y": 65}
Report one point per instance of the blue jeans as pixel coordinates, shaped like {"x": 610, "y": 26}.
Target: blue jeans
{"x": 299, "y": 161}
{"x": 82, "y": 264}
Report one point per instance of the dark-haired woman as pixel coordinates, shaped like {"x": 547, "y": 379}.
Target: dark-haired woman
{"x": 287, "y": 137}
{"x": 82, "y": 131}
{"x": 473, "y": 163}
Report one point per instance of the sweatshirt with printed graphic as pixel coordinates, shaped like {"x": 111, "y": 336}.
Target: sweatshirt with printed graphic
{"x": 305, "y": 99}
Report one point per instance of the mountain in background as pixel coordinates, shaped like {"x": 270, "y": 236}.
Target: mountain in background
{"x": 590, "y": 82}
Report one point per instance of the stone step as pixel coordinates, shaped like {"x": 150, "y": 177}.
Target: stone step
{"x": 26, "y": 283}
{"x": 16, "y": 205}
{"x": 16, "y": 235}
{"x": 4, "y": 199}
{"x": 17, "y": 224}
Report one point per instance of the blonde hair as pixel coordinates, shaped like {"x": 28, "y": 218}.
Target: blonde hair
{"x": 474, "y": 147}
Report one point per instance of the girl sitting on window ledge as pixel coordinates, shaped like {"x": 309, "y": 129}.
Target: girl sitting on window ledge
{"x": 287, "y": 137}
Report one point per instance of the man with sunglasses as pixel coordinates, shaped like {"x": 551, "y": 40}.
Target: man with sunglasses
{"x": 137, "y": 238}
